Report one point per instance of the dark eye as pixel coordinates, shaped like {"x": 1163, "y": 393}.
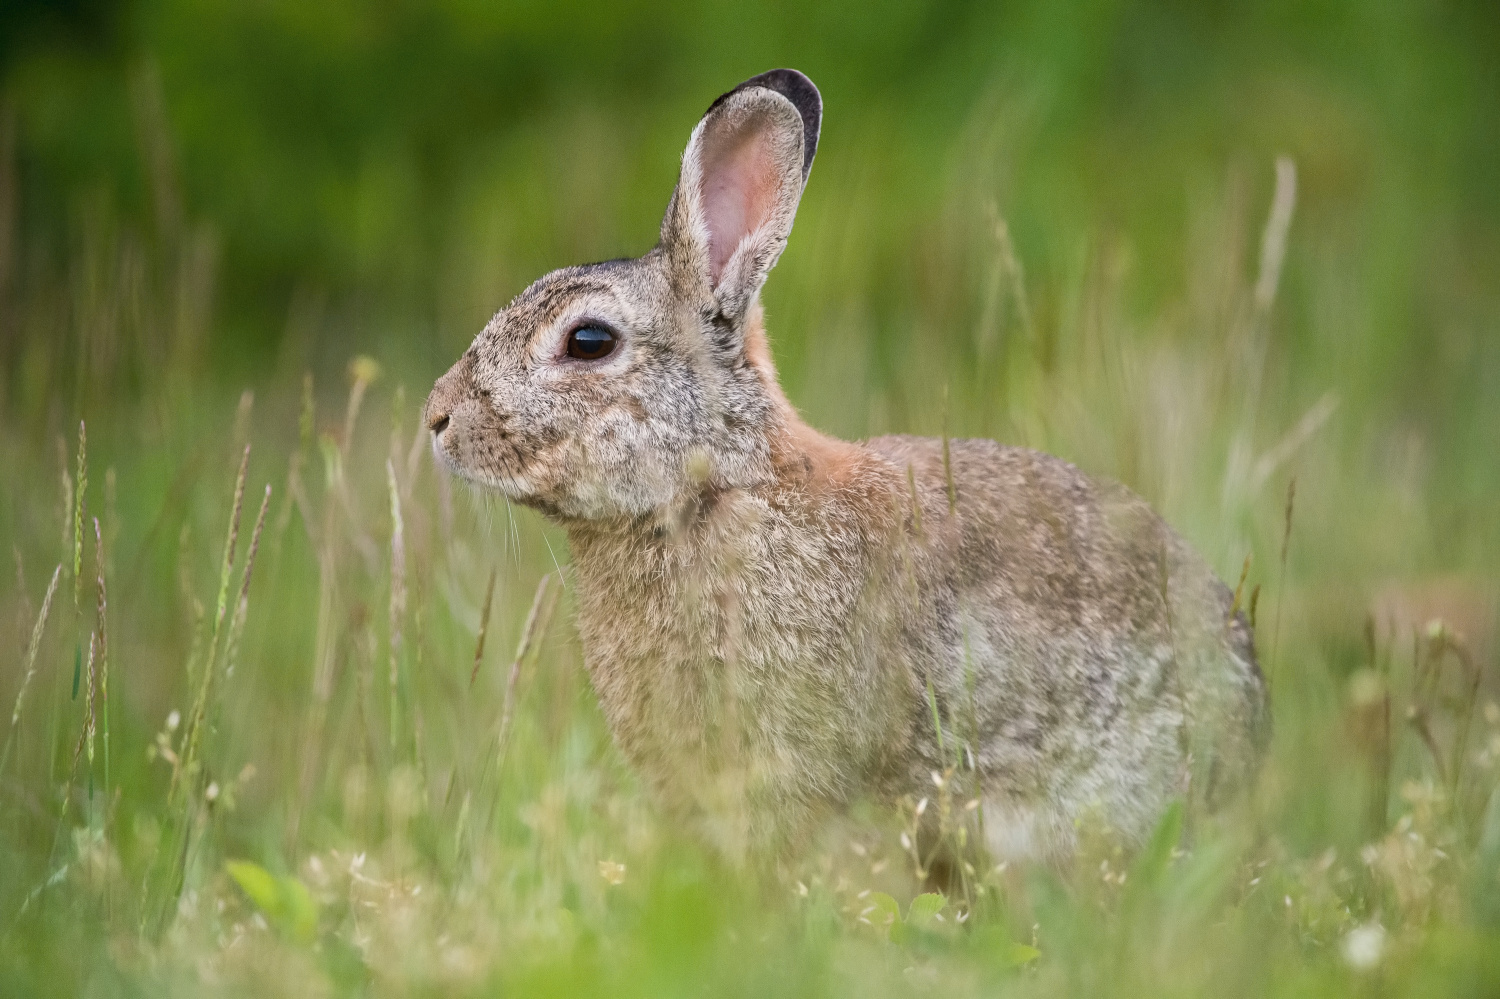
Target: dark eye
{"x": 589, "y": 343}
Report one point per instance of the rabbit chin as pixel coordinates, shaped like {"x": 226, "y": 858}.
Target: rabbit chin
{"x": 516, "y": 487}
{"x": 580, "y": 501}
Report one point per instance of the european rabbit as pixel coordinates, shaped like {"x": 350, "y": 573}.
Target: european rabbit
{"x": 777, "y": 622}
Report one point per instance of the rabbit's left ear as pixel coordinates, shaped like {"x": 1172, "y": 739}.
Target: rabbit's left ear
{"x": 742, "y": 176}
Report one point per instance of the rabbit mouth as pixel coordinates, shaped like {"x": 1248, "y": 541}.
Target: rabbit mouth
{"x": 514, "y": 485}
{"x": 516, "y": 488}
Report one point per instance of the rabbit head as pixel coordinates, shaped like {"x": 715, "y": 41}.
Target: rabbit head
{"x": 615, "y": 389}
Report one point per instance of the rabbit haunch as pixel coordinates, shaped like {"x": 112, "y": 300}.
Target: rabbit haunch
{"x": 764, "y": 609}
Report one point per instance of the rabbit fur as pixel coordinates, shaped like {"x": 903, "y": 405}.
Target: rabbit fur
{"x": 777, "y": 622}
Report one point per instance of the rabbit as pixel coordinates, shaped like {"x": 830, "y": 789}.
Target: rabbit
{"x": 779, "y": 624}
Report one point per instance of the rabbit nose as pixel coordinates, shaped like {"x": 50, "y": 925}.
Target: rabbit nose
{"x": 440, "y": 403}
{"x": 448, "y": 394}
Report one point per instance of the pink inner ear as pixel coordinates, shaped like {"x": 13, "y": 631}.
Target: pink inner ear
{"x": 739, "y": 190}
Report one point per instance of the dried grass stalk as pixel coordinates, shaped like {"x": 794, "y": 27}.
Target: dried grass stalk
{"x": 82, "y": 481}
{"x": 484, "y": 627}
{"x": 30, "y": 668}
{"x": 398, "y": 599}
{"x": 242, "y": 605}
{"x": 101, "y": 627}
{"x": 537, "y": 619}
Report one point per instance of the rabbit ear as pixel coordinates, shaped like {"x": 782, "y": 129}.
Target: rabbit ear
{"x": 742, "y": 176}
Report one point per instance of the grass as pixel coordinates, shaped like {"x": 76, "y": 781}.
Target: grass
{"x": 316, "y": 774}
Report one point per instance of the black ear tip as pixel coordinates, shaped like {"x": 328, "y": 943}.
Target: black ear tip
{"x": 792, "y": 85}
{"x": 798, "y": 89}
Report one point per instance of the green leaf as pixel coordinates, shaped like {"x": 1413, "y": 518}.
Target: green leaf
{"x": 301, "y": 910}
{"x": 1152, "y": 863}
{"x": 344, "y": 964}
{"x": 1018, "y": 954}
{"x": 885, "y": 915}
{"x": 924, "y": 908}
{"x": 256, "y": 882}
{"x": 285, "y": 901}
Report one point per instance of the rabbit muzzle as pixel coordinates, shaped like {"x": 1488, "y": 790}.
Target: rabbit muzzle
{"x": 465, "y": 429}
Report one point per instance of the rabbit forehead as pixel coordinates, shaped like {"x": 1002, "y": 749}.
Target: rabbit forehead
{"x": 623, "y": 294}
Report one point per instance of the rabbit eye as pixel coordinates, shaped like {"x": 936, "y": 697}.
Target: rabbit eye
{"x": 589, "y": 343}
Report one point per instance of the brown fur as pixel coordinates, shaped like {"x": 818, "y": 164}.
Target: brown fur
{"x": 764, "y": 608}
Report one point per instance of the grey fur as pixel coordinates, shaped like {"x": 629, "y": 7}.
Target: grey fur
{"x": 763, "y": 607}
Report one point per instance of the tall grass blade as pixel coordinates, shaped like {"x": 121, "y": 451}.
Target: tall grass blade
{"x": 1273, "y": 240}
{"x": 242, "y": 605}
{"x": 184, "y": 797}
{"x": 363, "y": 370}
{"x": 84, "y": 744}
{"x": 194, "y": 736}
{"x": 537, "y": 619}
{"x": 80, "y": 488}
{"x": 29, "y": 670}
{"x": 484, "y": 626}
{"x": 1286, "y": 540}
{"x": 78, "y": 500}
{"x": 398, "y": 600}
{"x": 102, "y": 629}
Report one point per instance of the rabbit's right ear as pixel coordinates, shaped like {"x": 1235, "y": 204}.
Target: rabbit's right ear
{"x": 742, "y": 176}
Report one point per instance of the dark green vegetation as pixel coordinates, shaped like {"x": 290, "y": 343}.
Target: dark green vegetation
{"x": 1041, "y": 224}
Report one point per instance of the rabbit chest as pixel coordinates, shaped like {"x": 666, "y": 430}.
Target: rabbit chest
{"x": 739, "y": 643}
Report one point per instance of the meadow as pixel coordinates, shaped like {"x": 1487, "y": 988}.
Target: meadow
{"x": 291, "y": 712}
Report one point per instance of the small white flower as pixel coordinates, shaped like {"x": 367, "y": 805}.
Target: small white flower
{"x": 1363, "y": 946}
{"x": 212, "y": 791}
{"x": 173, "y": 720}
{"x": 921, "y": 806}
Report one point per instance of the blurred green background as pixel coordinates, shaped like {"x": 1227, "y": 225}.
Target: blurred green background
{"x": 399, "y": 170}
{"x": 1040, "y": 222}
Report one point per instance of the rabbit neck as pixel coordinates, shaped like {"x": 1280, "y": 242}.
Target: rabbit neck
{"x": 812, "y": 465}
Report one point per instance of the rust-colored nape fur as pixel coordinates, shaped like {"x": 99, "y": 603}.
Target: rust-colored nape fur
{"x": 778, "y": 623}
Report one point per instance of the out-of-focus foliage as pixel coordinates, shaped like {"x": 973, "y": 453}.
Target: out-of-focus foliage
{"x": 1042, "y": 222}
{"x": 408, "y": 166}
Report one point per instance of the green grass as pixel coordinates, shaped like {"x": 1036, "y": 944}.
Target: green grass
{"x": 342, "y": 741}
{"x": 313, "y": 783}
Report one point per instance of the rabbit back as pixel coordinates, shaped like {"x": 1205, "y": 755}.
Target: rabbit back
{"x": 1078, "y": 648}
